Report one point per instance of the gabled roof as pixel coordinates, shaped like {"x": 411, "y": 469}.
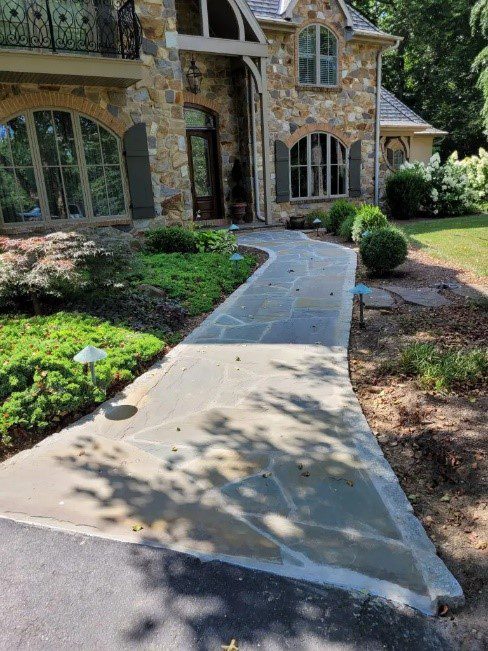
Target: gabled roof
{"x": 278, "y": 9}
{"x": 394, "y": 113}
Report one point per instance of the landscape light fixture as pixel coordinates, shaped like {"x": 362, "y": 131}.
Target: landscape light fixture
{"x": 317, "y": 223}
{"x": 90, "y": 355}
{"x": 233, "y": 228}
{"x": 236, "y": 258}
{"x": 194, "y": 77}
{"x": 361, "y": 290}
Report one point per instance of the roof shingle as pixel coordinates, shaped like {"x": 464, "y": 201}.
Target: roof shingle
{"x": 395, "y": 111}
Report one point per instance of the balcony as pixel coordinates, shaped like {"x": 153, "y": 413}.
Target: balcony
{"x": 63, "y": 41}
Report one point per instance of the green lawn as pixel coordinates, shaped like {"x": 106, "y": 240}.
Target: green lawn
{"x": 460, "y": 240}
{"x": 198, "y": 280}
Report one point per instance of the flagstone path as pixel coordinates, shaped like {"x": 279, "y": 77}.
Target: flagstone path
{"x": 246, "y": 444}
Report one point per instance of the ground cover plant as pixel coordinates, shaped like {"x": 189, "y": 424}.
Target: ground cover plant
{"x": 461, "y": 240}
{"x": 40, "y": 384}
{"x": 198, "y": 280}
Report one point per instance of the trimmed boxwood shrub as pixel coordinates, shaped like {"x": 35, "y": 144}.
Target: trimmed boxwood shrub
{"x": 368, "y": 218}
{"x": 345, "y": 229}
{"x": 339, "y": 212}
{"x": 383, "y": 249}
{"x": 171, "y": 239}
{"x": 405, "y": 192}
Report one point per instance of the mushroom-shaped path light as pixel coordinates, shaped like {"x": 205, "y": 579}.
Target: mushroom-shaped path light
{"x": 90, "y": 355}
{"x": 361, "y": 290}
{"x": 233, "y": 228}
{"x": 317, "y": 223}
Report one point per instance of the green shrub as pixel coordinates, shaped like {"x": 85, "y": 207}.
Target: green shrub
{"x": 443, "y": 370}
{"x": 383, "y": 249}
{"x": 345, "y": 229}
{"x": 199, "y": 280}
{"x": 406, "y": 191}
{"x": 315, "y": 214}
{"x": 338, "y": 213}
{"x": 368, "y": 218}
{"x": 40, "y": 384}
{"x": 171, "y": 239}
{"x": 215, "y": 241}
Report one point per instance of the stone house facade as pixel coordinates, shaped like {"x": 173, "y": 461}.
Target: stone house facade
{"x": 144, "y": 112}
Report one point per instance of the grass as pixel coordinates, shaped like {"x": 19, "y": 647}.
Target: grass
{"x": 444, "y": 370}
{"x": 460, "y": 240}
{"x": 41, "y": 385}
{"x": 198, "y": 280}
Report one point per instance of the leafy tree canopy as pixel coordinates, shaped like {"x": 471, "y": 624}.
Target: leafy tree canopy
{"x": 432, "y": 70}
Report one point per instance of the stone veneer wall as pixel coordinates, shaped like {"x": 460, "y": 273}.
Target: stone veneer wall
{"x": 223, "y": 91}
{"x": 348, "y": 110}
{"x": 156, "y": 100}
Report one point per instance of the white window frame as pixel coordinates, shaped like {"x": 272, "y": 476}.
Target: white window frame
{"x": 310, "y": 197}
{"x": 83, "y": 171}
{"x": 318, "y": 57}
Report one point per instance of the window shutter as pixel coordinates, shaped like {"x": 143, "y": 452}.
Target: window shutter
{"x": 282, "y": 171}
{"x": 139, "y": 172}
{"x": 355, "y": 169}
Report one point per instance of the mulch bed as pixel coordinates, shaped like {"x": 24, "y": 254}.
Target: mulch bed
{"x": 436, "y": 444}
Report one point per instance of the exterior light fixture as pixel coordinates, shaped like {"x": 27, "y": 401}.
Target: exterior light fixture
{"x": 90, "y": 355}
{"x": 194, "y": 77}
{"x": 361, "y": 290}
{"x": 236, "y": 258}
{"x": 317, "y": 223}
{"x": 233, "y": 228}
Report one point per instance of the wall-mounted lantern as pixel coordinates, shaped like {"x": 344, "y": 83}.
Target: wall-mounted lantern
{"x": 194, "y": 77}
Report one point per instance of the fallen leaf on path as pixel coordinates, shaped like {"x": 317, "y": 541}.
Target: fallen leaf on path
{"x": 230, "y": 647}
{"x": 137, "y": 527}
{"x": 305, "y": 474}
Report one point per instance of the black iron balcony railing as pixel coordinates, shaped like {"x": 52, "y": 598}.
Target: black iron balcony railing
{"x": 106, "y": 27}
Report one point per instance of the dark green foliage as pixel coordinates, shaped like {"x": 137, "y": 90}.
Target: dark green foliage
{"x": 339, "y": 211}
{"x": 40, "y": 384}
{"x": 432, "y": 69}
{"x": 132, "y": 308}
{"x": 315, "y": 214}
{"x": 383, "y": 250}
{"x": 199, "y": 280}
{"x": 444, "y": 370}
{"x": 345, "y": 230}
{"x": 368, "y": 218}
{"x": 406, "y": 191}
{"x": 171, "y": 239}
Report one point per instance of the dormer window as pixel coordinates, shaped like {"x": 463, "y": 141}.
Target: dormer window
{"x": 318, "y": 60}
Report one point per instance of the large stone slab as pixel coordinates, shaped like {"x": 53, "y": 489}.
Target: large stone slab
{"x": 424, "y": 296}
{"x": 379, "y": 299}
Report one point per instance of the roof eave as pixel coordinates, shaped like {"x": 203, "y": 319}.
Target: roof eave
{"x": 375, "y": 37}
{"x": 417, "y": 128}
{"x": 277, "y": 24}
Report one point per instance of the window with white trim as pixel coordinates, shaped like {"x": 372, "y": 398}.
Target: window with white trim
{"x": 318, "y": 167}
{"x": 58, "y": 165}
{"x": 318, "y": 62}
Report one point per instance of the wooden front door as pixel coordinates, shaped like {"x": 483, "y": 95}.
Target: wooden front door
{"x": 201, "y": 134}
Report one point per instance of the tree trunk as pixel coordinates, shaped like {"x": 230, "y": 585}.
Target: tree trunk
{"x": 36, "y": 304}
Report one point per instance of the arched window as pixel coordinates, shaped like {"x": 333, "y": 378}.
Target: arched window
{"x": 317, "y": 56}
{"x": 58, "y": 165}
{"x": 395, "y": 153}
{"x": 318, "y": 167}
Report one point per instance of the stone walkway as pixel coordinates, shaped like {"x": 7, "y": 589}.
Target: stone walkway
{"x": 246, "y": 444}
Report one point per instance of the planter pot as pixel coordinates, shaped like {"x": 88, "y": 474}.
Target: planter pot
{"x": 238, "y": 211}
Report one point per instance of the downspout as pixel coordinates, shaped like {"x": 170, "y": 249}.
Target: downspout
{"x": 379, "y": 74}
{"x": 254, "y": 147}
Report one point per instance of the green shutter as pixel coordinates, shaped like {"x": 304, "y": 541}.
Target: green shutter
{"x": 139, "y": 172}
{"x": 355, "y": 169}
{"x": 282, "y": 172}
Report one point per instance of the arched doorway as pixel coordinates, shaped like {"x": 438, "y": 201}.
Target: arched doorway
{"x": 203, "y": 155}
